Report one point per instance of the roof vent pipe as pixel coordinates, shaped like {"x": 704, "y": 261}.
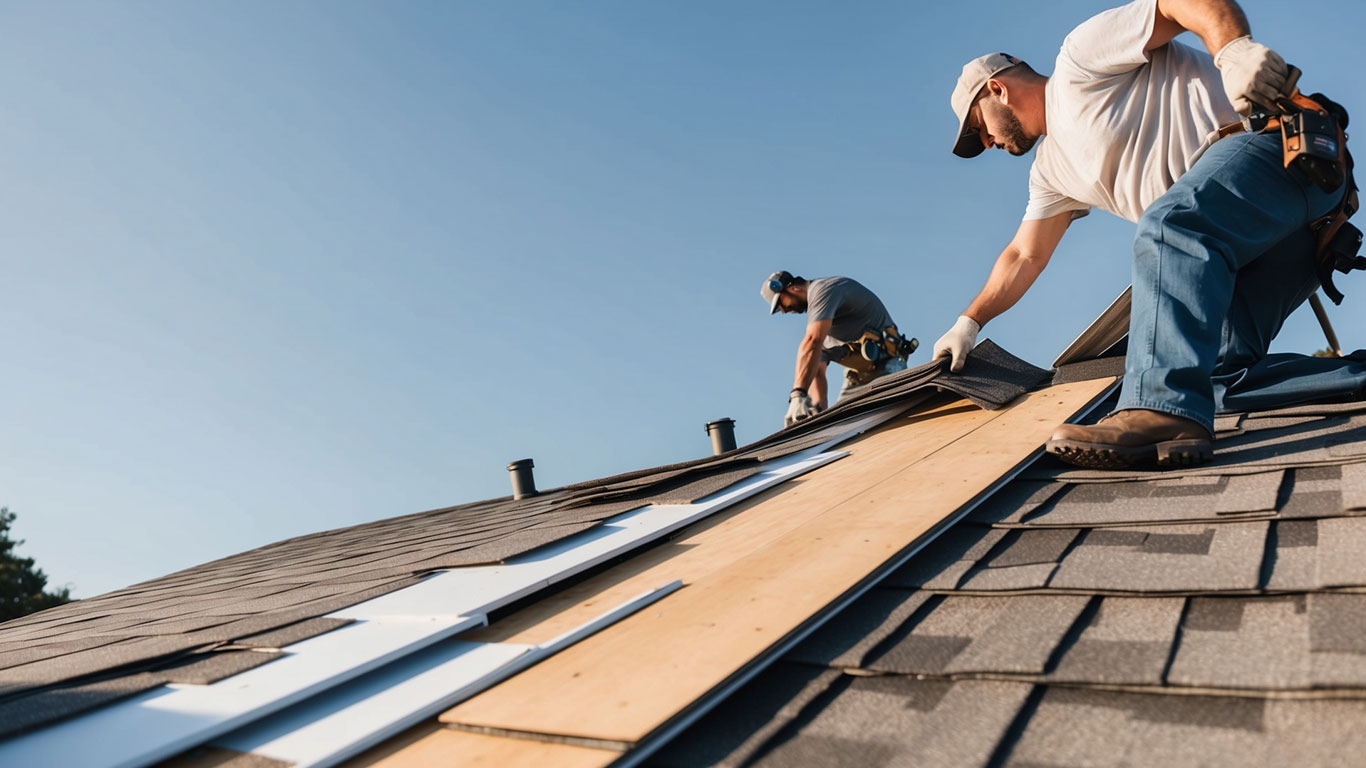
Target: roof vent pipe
{"x": 722, "y": 432}
{"x": 523, "y": 483}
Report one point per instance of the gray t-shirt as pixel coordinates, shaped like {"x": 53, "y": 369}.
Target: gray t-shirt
{"x": 851, "y": 308}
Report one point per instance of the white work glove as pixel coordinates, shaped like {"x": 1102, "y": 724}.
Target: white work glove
{"x": 1252, "y": 74}
{"x": 799, "y": 407}
{"x": 958, "y": 342}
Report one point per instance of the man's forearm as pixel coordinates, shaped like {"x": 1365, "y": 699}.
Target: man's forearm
{"x": 1216, "y": 22}
{"x": 819, "y": 389}
{"x": 1010, "y": 277}
{"x": 808, "y": 363}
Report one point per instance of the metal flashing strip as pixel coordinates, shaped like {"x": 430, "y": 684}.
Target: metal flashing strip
{"x": 163, "y": 722}
{"x": 645, "y": 748}
{"x": 347, "y": 720}
{"x": 1100, "y": 335}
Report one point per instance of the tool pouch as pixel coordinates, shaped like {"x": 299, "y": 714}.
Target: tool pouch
{"x": 854, "y": 358}
{"x": 1314, "y": 140}
{"x": 896, "y": 345}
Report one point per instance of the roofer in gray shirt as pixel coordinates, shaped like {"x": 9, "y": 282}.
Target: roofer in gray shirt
{"x": 1133, "y": 122}
{"x": 847, "y": 325}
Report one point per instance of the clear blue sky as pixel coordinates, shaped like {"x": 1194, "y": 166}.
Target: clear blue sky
{"x": 276, "y": 267}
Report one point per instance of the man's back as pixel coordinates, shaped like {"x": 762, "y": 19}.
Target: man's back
{"x": 851, "y": 308}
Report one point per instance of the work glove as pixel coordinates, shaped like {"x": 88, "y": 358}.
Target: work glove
{"x": 1253, "y": 74}
{"x": 799, "y": 407}
{"x": 958, "y": 342}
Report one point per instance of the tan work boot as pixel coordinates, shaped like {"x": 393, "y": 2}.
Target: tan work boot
{"x": 1132, "y": 438}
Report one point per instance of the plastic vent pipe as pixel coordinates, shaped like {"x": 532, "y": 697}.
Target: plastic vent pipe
{"x": 523, "y": 482}
{"x": 722, "y": 432}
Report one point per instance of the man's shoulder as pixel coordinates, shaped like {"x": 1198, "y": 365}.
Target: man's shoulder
{"x": 836, "y": 281}
{"x": 836, "y": 290}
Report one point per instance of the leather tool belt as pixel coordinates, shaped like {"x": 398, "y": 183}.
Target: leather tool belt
{"x": 875, "y": 348}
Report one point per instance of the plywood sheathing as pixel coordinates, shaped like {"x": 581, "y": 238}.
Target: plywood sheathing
{"x": 626, "y": 682}
{"x": 431, "y": 746}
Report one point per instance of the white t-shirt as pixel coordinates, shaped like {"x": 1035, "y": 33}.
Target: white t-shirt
{"x": 1123, "y": 124}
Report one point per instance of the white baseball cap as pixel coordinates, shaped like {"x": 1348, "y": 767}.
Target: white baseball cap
{"x": 976, "y": 73}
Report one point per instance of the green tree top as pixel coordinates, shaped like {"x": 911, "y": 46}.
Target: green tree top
{"x": 21, "y": 584}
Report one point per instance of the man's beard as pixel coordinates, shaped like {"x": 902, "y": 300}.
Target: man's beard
{"x": 1013, "y": 138}
{"x": 798, "y": 305}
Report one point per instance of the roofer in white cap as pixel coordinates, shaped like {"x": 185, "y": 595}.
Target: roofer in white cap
{"x": 1129, "y": 122}
{"x": 846, "y": 324}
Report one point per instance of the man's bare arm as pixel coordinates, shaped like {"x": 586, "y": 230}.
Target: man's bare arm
{"x": 1216, "y": 22}
{"x": 820, "y": 388}
{"x": 1018, "y": 266}
{"x": 809, "y": 353}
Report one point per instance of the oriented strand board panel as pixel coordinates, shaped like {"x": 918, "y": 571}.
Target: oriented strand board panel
{"x": 624, "y": 683}
{"x": 442, "y": 748}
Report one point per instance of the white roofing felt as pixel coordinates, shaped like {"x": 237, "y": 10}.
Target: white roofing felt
{"x": 345, "y": 721}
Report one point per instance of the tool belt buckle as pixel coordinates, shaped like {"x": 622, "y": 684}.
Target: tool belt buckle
{"x": 1257, "y": 120}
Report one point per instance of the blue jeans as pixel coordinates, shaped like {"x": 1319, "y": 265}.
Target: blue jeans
{"x": 1220, "y": 261}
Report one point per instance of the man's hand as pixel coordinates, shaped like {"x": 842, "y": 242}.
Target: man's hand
{"x": 958, "y": 342}
{"x": 1253, "y": 74}
{"x": 799, "y": 407}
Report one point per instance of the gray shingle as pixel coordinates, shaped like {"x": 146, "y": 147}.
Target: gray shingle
{"x": 22, "y": 654}
{"x": 1031, "y": 547}
{"x": 1312, "y": 504}
{"x": 23, "y": 714}
{"x": 741, "y": 724}
{"x": 1127, "y": 642}
{"x": 1229, "y": 422}
{"x": 1022, "y": 636}
{"x": 206, "y": 668}
{"x": 1101, "y": 728}
{"x": 894, "y": 721}
{"x": 1016, "y": 578}
{"x": 87, "y": 662}
{"x": 845, "y": 639}
{"x": 1099, "y": 368}
{"x": 1015, "y": 501}
{"x": 1353, "y": 486}
{"x": 1296, "y": 561}
{"x": 1183, "y": 558}
{"x": 292, "y": 633}
{"x": 957, "y": 549}
{"x": 980, "y": 634}
{"x": 698, "y": 488}
{"x": 1341, "y": 542}
{"x": 1250, "y": 493}
{"x": 1239, "y": 642}
{"x": 918, "y": 654}
{"x": 1337, "y": 623}
{"x": 1172, "y": 500}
